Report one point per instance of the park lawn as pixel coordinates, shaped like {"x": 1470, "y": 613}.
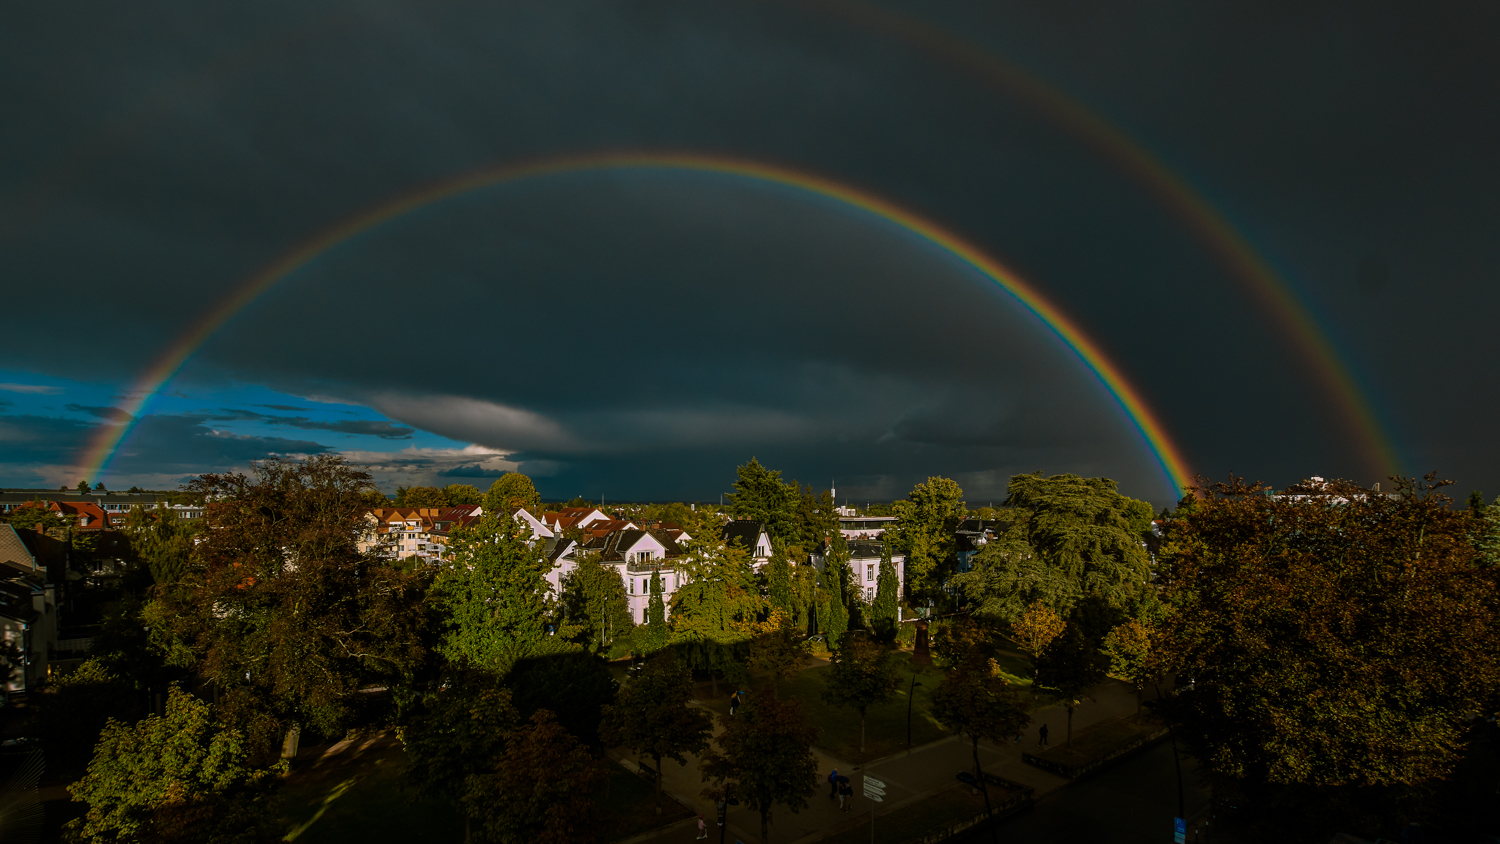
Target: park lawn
{"x": 628, "y": 806}
{"x": 885, "y": 728}
{"x": 920, "y": 818}
{"x": 838, "y": 727}
{"x": 359, "y": 800}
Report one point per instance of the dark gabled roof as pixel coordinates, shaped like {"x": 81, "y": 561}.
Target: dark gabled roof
{"x": 865, "y": 548}
{"x": 13, "y": 551}
{"x": 744, "y": 531}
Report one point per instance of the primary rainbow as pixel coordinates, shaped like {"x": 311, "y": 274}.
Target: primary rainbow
{"x": 107, "y": 442}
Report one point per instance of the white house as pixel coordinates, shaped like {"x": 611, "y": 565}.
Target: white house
{"x": 635, "y": 554}
{"x": 864, "y": 566}
{"x": 864, "y": 527}
{"x": 750, "y": 535}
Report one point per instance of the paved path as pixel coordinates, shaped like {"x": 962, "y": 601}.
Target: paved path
{"x": 1131, "y": 803}
{"x": 909, "y": 776}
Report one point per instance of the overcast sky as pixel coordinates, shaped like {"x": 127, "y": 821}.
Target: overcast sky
{"x": 636, "y": 334}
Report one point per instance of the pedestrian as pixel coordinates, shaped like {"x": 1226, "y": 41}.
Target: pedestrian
{"x": 846, "y": 792}
{"x": 702, "y": 828}
{"x": 833, "y": 783}
{"x": 1043, "y": 733}
{"x": 734, "y": 702}
{"x": 1019, "y": 733}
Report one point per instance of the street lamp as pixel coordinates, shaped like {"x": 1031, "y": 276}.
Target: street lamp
{"x": 909, "y": 694}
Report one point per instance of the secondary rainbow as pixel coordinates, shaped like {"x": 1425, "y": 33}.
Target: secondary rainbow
{"x": 108, "y": 441}
{"x": 1208, "y": 224}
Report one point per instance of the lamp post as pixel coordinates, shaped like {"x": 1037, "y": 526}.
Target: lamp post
{"x": 910, "y": 693}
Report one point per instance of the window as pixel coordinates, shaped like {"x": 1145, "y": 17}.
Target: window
{"x": 869, "y": 572}
{"x": 632, "y": 586}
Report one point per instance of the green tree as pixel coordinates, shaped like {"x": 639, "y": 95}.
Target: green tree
{"x": 421, "y": 496}
{"x": 174, "y": 778}
{"x": 656, "y": 632}
{"x": 716, "y": 606}
{"x": 924, "y": 531}
{"x": 279, "y": 607}
{"x": 1070, "y": 666}
{"x": 764, "y": 756}
{"x": 160, "y": 540}
{"x": 594, "y": 602}
{"x": 761, "y": 495}
{"x": 574, "y": 687}
{"x": 72, "y": 710}
{"x": 1037, "y": 627}
{"x": 1333, "y": 636}
{"x": 83, "y": 487}
{"x": 777, "y": 652}
{"x": 653, "y": 716}
{"x": 541, "y": 790}
{"x": 973, "y": 701}
{"x": 511, "y": 491}
{"x": 1077, "y": 537}
{"x": 779, "y": 581}
{"x": 463, "y": 494}
{"x": 1128, "y": 648}
{"x": 834, "y": 617}
{"x": 860, "y": 674}
{"x": 816, "y": 519}
{"x": 885, "y": 610}
{"x": 457, "y": 733}
{"x": 494, "y": 597}
{"x": 1487, "y": 535}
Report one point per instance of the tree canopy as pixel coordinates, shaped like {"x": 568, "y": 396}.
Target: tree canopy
{"x": 174, "y": 778}
{"x": 540, "y": 790}
{"x": 1074, "y": 537}
{"x": 1333, "y": 635}
{"x": 652, "y": 714}
{"x": 764, "y": 756}
{"x": 512, "y": 490}
{"x": 279, "y": 607}
{"x": 594, "y": 603}
{"x": 925, "y": 531}
{"x": 496, "y": 603}
{"x": 761, "y": 495}
{"x": 860, "y": 674}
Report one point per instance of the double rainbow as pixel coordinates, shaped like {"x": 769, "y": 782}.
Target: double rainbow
{"x": 107, "y": 442}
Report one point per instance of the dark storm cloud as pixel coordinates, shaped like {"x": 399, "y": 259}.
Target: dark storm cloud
{"x": 645, "y": 332}
{"x": 40, "y": 440}
{"x": 109, "y": 414}
{"x": 362, "y": 427}
{"x": 472, "y": 471}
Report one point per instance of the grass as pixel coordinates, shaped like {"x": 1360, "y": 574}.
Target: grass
{"x": 629, "y": 808}
{"x": 1101, "y": 739}
{"x": 885, "y": 728}
{"x": 927, "y": 815}
{"x": 358, "y": 799}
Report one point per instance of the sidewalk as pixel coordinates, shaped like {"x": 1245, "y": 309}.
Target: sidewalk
{"x": 909, "y": 776}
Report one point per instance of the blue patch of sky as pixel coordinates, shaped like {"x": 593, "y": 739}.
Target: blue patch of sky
{"x": 244, "y": 409}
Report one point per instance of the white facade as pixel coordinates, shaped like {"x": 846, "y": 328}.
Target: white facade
{"x": 864, "y": 527}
